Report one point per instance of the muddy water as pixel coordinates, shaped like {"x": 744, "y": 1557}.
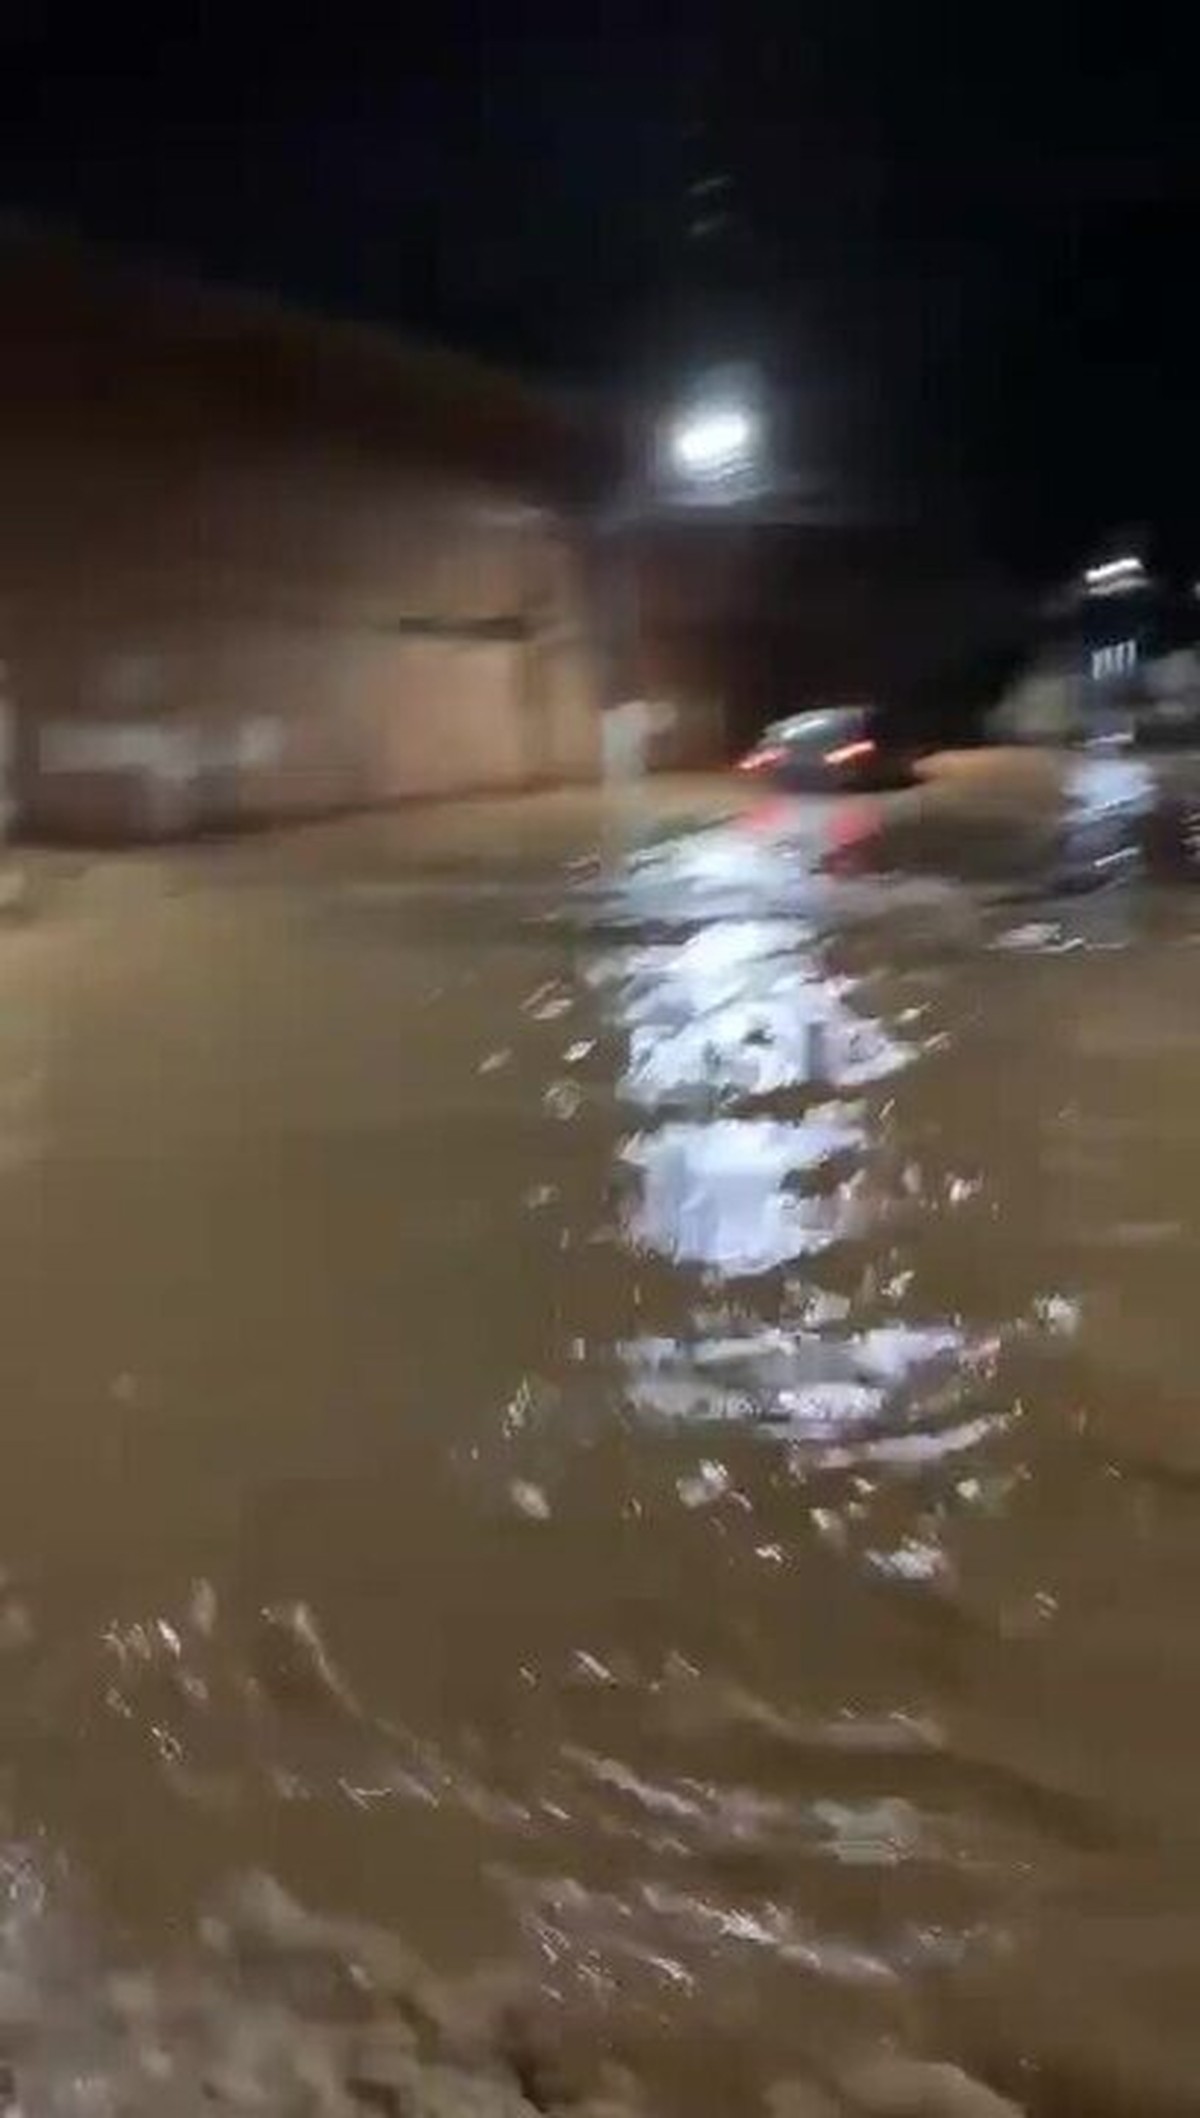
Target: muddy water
{"x": 624, "y": 1407}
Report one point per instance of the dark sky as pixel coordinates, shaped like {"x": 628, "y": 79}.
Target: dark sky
{"x": 966, "y": 235}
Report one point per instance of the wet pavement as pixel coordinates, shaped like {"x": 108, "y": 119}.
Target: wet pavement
{"x": 605, "y": 1389}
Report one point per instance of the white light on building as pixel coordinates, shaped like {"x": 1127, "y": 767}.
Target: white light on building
{"x": 1115, "y": 660}
{"x": 1116, "y": 576}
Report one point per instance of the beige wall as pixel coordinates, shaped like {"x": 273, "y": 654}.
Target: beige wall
{"x": 160, "y": 729}
{"x": 238, "y": 577}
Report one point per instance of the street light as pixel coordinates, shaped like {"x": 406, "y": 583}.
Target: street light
{"x": 708, "y": 453}
{"x": 714, "y": 441}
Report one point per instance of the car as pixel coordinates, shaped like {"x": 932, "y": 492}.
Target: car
{"x": 831, "y": 749}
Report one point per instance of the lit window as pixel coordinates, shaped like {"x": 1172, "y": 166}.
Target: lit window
{"x": 1115, "y": 660}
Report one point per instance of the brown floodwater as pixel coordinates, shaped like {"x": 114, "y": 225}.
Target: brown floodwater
{"x": 617, "y": 1399}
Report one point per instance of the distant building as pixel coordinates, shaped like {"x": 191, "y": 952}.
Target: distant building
{"x": 1116, "y": 658}
{"x": 253, "y": 565}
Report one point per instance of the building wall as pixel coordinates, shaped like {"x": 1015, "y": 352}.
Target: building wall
{"x": 251, "y": 569}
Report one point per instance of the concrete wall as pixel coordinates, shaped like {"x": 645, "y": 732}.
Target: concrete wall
{"x": 249, "y": 568}
{"x": 175, "y": 725}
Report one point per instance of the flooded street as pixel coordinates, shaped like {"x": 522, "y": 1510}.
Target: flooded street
{"x": 609, "y": 1393}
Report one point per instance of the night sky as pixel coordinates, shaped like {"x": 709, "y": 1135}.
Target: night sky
{"x": 966, "y": 236}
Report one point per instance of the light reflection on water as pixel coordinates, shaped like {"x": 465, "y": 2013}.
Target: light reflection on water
{"x": 796, "y": 1382}
{"x": 726, "y": 1195}
{"x": 740, "y": 1008}
{"x": 728, "y": 1025}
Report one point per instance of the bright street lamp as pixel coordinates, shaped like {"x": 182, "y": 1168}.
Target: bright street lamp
{"x": 707, "y": 454}
{"x": 715, "y": 440}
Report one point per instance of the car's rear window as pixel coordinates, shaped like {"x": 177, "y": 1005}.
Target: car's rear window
{"x": 823, "y": 725}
